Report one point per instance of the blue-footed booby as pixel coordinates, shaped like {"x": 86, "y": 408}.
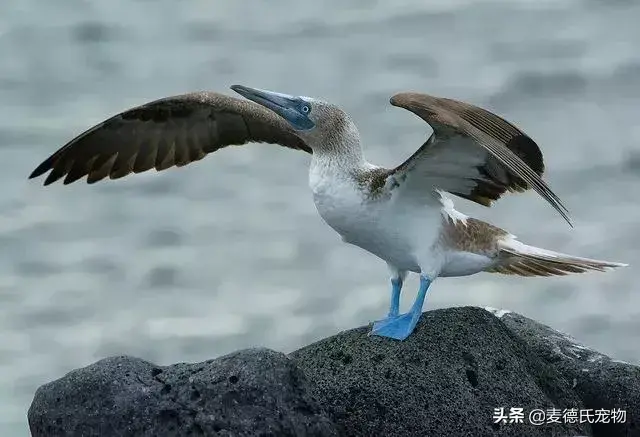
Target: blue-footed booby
{"x": 402, "y": 215}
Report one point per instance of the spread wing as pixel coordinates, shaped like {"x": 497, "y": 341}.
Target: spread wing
{"x": 173, "y": 131}
{"x": 472, "y": 153}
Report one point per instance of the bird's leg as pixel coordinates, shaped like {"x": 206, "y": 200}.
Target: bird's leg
{"x": 396, "y": 288}
{"x": 397, "y": 279}
{"x": 400, "y": 327}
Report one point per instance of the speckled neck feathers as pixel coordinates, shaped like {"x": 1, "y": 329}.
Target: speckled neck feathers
{"x": 337, "y": 143}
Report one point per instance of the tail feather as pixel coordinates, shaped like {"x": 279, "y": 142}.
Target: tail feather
{"x": 516, "y": 258}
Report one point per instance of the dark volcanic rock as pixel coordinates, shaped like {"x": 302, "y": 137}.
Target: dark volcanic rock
{"x": 444, "y": 380}
{"x": 247, "y": 393}
{"x": 601, "y": 383}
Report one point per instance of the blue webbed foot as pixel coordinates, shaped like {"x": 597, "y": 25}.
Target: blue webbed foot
{"x": 398, "y": 327}
{"x": 401, "y": 326}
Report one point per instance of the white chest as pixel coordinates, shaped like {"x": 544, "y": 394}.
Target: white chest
{"x": 338, "y": 200}
{"x": 372, "y": 224}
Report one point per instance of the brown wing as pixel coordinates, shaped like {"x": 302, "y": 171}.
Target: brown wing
{"x": 472, "y": 153}
{"x": 173, "y": 131}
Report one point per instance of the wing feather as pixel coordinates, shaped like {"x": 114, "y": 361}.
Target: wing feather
{"x": 173, "y": 131}
{"x": 472, "y": 153}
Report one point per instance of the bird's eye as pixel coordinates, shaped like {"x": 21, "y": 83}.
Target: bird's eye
{"x": 305, "y": 109}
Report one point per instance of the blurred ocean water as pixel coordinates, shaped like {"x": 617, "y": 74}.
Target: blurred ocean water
{"x": 229, "y": 252}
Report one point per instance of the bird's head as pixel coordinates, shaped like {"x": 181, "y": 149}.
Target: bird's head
{"x": 320, "y": 124}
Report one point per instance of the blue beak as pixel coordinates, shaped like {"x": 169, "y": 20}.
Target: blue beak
{"x": 288, "y": 107}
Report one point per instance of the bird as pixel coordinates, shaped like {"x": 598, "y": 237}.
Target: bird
{"x": 404, "y": 215}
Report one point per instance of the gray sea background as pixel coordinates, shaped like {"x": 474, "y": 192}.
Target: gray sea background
{"x": 229, "y": 252}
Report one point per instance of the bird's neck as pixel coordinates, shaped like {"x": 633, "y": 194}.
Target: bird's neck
{"x": 341, "y": 157}
{"x": 341, "y": 150}
{"x": 333, "y": 169}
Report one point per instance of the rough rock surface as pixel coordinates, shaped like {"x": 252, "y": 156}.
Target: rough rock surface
{"x": 255, "y": 392}
{"x": 446, "y": 379}
{"x": 599, "y": 381}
